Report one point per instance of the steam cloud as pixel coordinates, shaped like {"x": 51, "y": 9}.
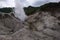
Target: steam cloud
{"x": 19, "y": 12}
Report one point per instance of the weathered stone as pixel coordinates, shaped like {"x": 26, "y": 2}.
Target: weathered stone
{"x": 43, "y": 22}
{"x": 22, "y": 34}
{"x": 40, "y": 34}
{"x": 52, "y": 33}
{"x": 49, "y": 20}
{"x": 49, "y": 38}
{"x": 39, "y": 26}
{"x": 5, "y": 37}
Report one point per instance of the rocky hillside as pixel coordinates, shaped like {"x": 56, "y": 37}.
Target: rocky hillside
{"x": 9, "y": 23}
{"x": 42, "y": 25}
{"x": 50, "y": 7}
{"x": 39, "y": 26}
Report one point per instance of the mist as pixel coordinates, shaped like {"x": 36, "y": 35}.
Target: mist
{"x": 19, "y": 12}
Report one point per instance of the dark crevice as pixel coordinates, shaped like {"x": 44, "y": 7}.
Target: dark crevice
{"x": 53, "y": 28}
{"x": 58, "y": 23}
{"x": 59, "y": 18}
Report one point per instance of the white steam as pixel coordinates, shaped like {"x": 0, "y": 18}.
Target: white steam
{"x": 19, "y": 12}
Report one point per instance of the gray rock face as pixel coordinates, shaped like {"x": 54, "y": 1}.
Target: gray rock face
{"x": 52, "y": 33}
{"x": 9, "y": 24}
{"x": 39, "y": 26}
{"x": 46, "y": 24}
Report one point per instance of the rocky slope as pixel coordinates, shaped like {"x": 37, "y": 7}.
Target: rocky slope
{"x": 9, "y": 24}
{"x": 39, "y": 26}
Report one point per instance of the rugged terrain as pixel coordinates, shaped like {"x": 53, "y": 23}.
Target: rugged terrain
{"x": 39, "y": 26}
{"x": 9, "y": 23}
